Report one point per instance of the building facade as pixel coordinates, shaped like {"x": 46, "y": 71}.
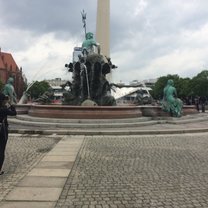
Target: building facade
{"x": 56, "y": 82}
{"x": 57, "y": 89}
{"x": 9, "y": 68}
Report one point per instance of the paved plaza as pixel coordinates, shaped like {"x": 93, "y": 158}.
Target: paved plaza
{"x": 22, "y": 154}
{"x": 161, "y": 171}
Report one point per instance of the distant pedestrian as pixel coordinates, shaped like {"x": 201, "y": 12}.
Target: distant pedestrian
{"x": 5, "y": 110}
{"x": 202, "y": 101}
{"x": 197, "y": 103}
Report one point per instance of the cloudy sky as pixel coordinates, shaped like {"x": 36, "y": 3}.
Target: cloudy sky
{"x": 149, "y": 38}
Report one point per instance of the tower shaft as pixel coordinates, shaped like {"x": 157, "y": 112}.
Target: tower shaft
{"x": 103, "y": 29}
{"x": 103, "y": 26}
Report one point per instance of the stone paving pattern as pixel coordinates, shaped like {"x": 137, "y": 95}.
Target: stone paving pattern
{"x": 22, "y": 154}
{"x": 169, "y": 171}
{"x": 161, "y": 171}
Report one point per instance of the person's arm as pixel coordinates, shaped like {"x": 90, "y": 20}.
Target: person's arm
{"x": 11, "y": 111}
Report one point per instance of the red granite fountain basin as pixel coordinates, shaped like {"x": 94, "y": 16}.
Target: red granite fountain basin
{"x": 96, "y": 112}
{"x": 84, "y": 112}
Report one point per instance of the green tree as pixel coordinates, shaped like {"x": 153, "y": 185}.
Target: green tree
{"x": 184, "y": 87}
{"x": 38, "y": 88}
{"x": 157, "y": 91}
{"x": 199, "y": 84}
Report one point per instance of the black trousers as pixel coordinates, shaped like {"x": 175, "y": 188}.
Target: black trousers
{"x": 3, "y": 142}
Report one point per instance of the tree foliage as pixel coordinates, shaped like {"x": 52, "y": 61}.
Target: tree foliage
{"x": 38, "y": 88}
{"x": 197, "y": 86}
{"x": 157, "y": 91}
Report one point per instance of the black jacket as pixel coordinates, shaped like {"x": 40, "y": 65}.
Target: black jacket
{"x": 4, "y": 112}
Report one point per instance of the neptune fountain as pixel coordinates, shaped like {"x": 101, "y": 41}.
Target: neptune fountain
{"x": 89, "y": 93}
{"x": 89, "y": 85}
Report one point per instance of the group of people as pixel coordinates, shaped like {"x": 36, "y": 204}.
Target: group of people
{"x": 199, "y": 101}
{"x": 7, "y": 108}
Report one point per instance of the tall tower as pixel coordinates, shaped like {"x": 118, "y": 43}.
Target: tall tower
{"x": 103, "y": 26}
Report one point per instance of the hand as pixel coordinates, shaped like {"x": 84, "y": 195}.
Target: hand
{"x": 12, "y": 107}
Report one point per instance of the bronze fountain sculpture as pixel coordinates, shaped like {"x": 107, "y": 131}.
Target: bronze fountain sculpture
{"x": 89, "y": 85}
{"x": 88, "y": 95}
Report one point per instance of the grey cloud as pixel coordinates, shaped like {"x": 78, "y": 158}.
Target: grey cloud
{"x": 148, "y": 29}
{"x": 157, "y": 31}
{"x": 159, "y": 19}
{"x": 44, "y": 16}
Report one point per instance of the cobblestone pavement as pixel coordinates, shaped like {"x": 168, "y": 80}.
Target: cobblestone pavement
{"x": 164, "y": 171}
{"x": 22, "y": 153}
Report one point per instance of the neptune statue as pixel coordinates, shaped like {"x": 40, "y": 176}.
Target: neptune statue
{"x": 89, "y": 85}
